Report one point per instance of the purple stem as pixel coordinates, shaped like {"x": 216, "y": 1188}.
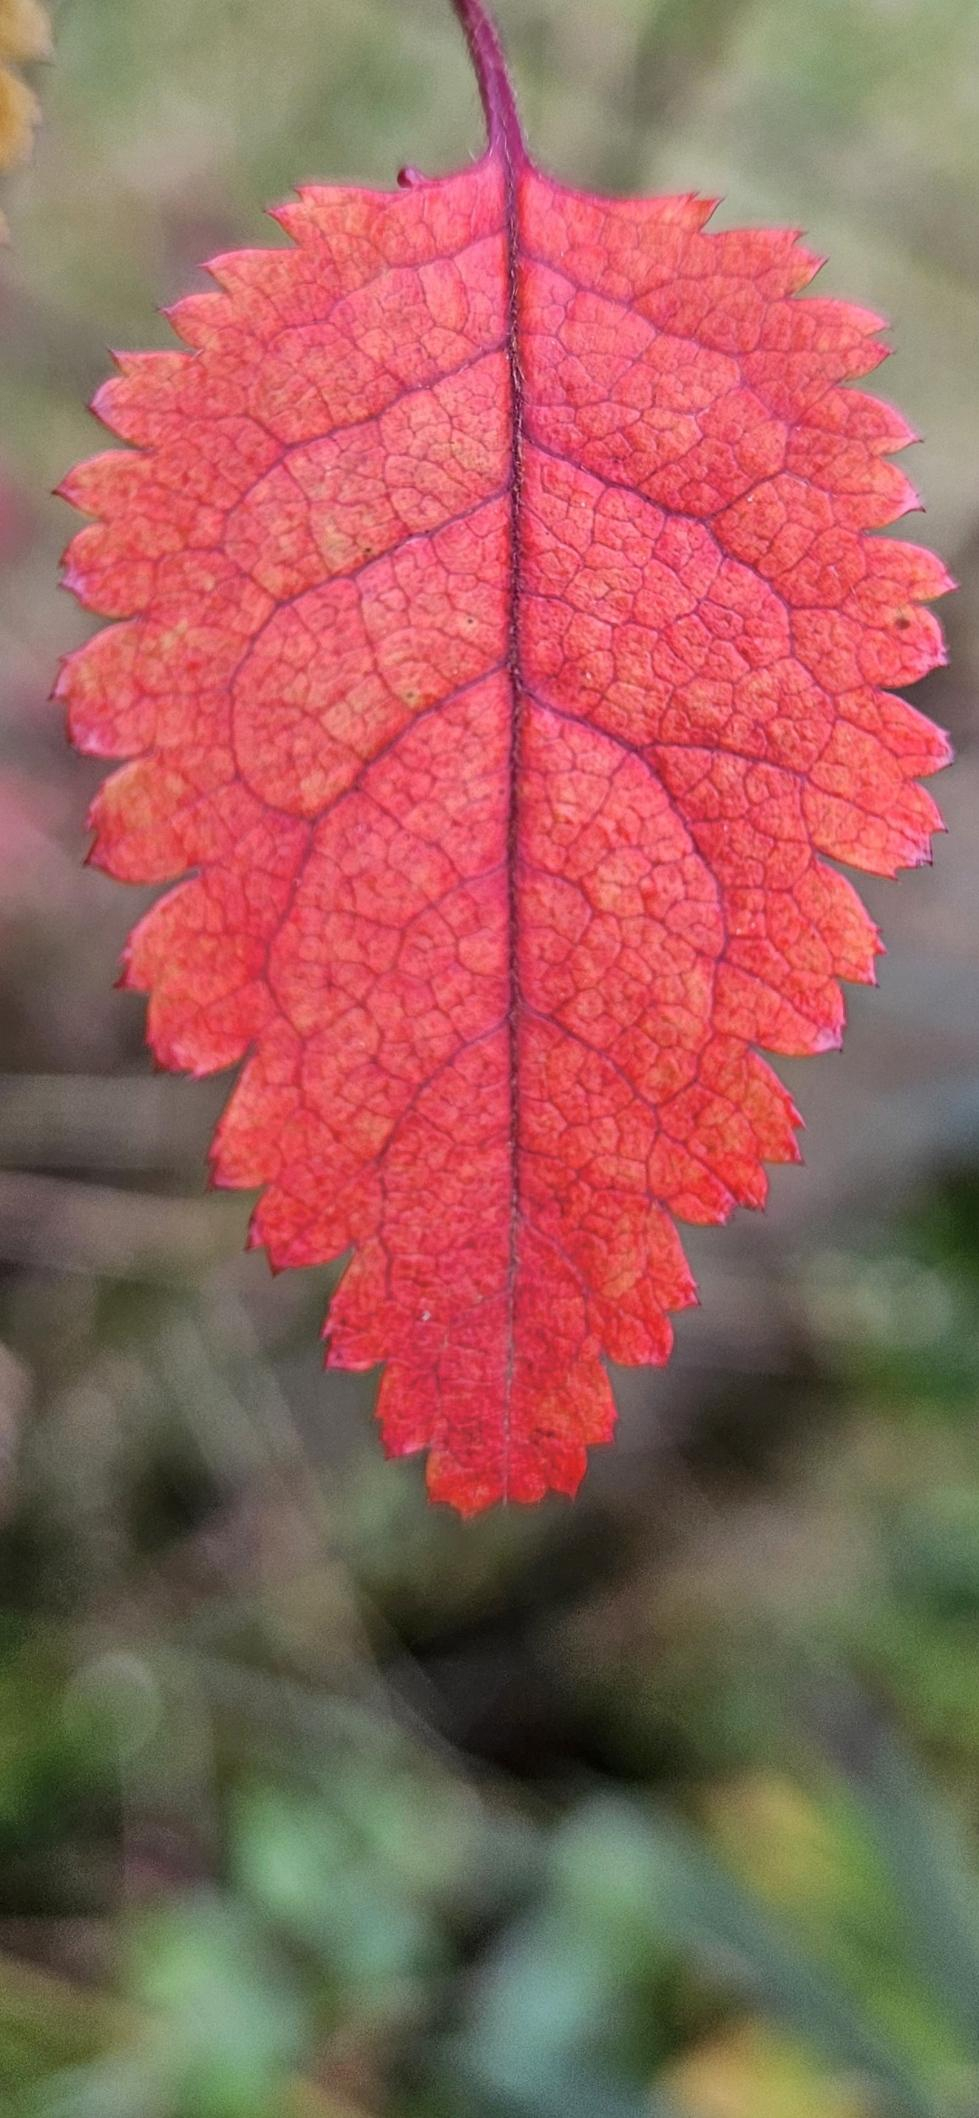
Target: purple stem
{"x": 496, "y": 93}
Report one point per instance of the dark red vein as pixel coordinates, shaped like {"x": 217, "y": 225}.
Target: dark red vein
{"x": 506, "y": 139}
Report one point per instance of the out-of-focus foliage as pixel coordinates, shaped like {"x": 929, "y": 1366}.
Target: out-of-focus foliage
{"x": 24, "y": 36}
{"x": 313, "y": 1802}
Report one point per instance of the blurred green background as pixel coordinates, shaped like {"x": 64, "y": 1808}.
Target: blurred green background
{"x": 313, "y": 1802}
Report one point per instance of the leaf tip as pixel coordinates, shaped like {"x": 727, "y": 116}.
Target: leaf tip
{"x": 97, "y": 856}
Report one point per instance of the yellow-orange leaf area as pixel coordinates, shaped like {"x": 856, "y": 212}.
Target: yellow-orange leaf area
{"x": 25, "y": 35}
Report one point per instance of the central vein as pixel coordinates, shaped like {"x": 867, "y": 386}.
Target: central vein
{"x": 506, "y": 141}
{"x": 514, "y": 760}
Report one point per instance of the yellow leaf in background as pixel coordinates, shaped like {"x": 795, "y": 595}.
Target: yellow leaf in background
{"x": 19, "y": 114}
{"x": 24, "y": 35}
{"x": 775, "y": 1831}
{"x": 748, "y": 2072}
{"x": 25, "y": 32}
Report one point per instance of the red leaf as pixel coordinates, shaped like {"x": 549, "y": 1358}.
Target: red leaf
{"x": 503, "y": 648}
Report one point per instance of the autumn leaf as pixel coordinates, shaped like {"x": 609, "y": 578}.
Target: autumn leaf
{"x": 503, "y": 649}
{"x": 24, "y": 35}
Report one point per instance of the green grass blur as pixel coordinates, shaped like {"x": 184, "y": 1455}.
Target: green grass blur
{"x": 315, "y": 1803}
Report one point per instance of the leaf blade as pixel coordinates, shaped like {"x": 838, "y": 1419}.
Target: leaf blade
{"x": 503, "y": 651}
